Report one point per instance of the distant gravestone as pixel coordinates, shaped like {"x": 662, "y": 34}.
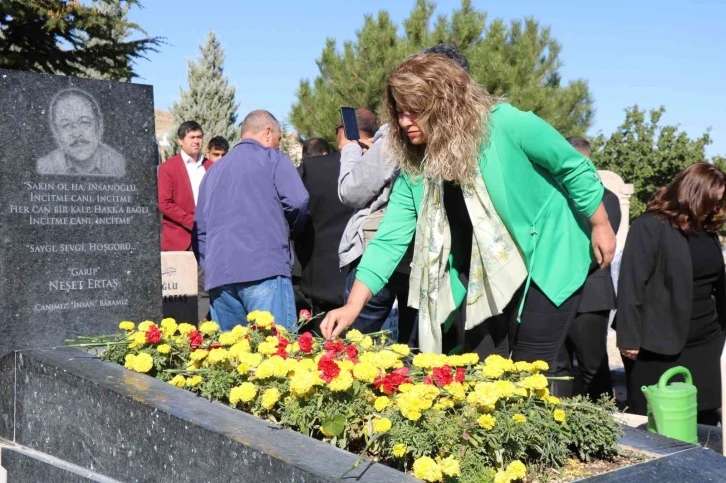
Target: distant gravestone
{"x": 80, "y": 225}
{"x": 179, "y": 286}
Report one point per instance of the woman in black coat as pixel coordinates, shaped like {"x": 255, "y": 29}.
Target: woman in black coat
{"x": 671, "y": 290}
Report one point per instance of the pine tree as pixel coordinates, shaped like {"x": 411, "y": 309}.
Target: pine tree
{"x": 210, "y": 100}
{"x": 118, "y": 9}
{"x": 520, "y": 61}
{"x": 647, "y": 154}
{"x": 72, "y": 38}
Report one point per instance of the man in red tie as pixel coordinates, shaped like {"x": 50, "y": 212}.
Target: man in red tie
{"x": 179, "y": 180}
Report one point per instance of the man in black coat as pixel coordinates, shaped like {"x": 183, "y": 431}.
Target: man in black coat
{"x": 587, "y": 337}
{"x": 322, "y": 282}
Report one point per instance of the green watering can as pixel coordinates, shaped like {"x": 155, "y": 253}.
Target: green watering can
{"x": 673, "y": 408}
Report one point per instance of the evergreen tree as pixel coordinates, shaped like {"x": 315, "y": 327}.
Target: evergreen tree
{"x": 210, "y": 100}
{"x": 648, "y": 155}
{"x": 118, "y": 9}
{"x": 71, "y": 38}
{"x": 519, "y": 60}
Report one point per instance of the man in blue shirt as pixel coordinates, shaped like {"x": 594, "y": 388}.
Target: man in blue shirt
{"x": 250, "y": 203}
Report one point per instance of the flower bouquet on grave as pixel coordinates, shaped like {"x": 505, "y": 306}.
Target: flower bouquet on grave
{"x": 443, "y": 418}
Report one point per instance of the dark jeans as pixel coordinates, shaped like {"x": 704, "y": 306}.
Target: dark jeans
{"x": 587, "y": 340}
{"x": 374, "y": 315}
{"x": 540, "y": 336}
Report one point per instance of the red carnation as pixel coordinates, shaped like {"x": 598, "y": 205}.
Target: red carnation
{"x": 352, "y": 352}
{"x": 304, "y": 315}
{"x": 460, "y": 373}
{"x": 329, "y": 368}
{"x": 442, "y": 376}
{"x": 281, "y": 346}
{"x": 153, "y": 335}
{"x": 334, "y": 346}
{"x": 428, "y": 380}
{"x": 195, "y": 338}
{"x": 389, "y": 383}
{"x": 306, "y": 342}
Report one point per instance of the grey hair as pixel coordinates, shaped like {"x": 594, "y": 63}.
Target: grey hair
{"x": 257, "y": 120}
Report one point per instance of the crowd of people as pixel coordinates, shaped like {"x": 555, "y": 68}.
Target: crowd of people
{"x": 479, "y": 225}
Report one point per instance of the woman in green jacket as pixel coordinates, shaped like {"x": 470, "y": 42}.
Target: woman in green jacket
{"x": 491, "y": 194}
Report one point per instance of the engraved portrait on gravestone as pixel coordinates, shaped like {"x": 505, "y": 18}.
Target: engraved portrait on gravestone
{"x": 77, "y": 125}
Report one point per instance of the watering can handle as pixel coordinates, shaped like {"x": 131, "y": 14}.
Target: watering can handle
{"x": 674, "y": 371}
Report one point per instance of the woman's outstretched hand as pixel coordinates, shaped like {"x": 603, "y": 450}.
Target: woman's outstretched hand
{"x": 338, "y": 320}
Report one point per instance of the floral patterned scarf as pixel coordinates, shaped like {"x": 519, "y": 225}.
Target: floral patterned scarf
{"x": 496, "y": 272}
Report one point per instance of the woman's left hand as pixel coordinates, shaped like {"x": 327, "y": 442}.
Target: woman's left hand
{"x": 603, "y": 243}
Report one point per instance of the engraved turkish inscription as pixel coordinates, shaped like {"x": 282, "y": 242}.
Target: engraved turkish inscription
{"x": 80, "y": 223}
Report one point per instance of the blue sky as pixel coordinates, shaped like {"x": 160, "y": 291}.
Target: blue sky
{"x": 641, "y": 51}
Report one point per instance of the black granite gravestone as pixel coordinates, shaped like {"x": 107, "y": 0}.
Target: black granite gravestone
{"x": 80, "y": 226}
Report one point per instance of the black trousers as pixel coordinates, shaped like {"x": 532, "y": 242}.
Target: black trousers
{"x": 541, "y": 335}
{"x": 587, "y": 341}
{"x": 202, "y": 296}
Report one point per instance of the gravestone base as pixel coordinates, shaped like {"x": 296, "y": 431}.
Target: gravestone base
{"x": 27, "y": 466}
{"x": 94, "y": 416}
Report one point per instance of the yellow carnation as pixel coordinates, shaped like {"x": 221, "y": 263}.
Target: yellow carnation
{"x": 399, "y": 450}
{"x": 178, "y": 381}
{"x": 302, "y": 382}
{"x": 486, "y": 421}
{"x": 522, "y": 366}
{"x": 506, "y": 389}
{"x": 185, "y": 329}
{"x": 143, "y": 362}
{"x": 126, "y": 325}
{"x": 198, "y": 355}
{"x": 248, "y": 360}
{"x": 341, "y": 382}
{"x": 381, "y": 425}
{"x": 428, "y": 360}
{"x": 267, "y": 348}
{"x": 401, "y": 349}
{"x": 217, "y": 356}
{"x": 270, "y": 398}
{"x": 228, "y": 338}
{"x": 540, "y": 366}
{"x": 535, "y": 382}
{"x": 261, "y": 319}
{"x": 381, "y": 403}
{"x": 129, "y": 361}
{"x": 427, "y": 469}
{"x": 365, "y": 371}
{"x": 457, "y": 391}
{"x": 345, "y": 365}
{"x": 551, "y": 400}
{"x": 194, "y": 381}
{"x": 519, "y": 418}
{"x": 169, "y": 326}
{"x": 245, "y": 392}
{"x": 450, "y": 466}
{"x": 208, "y": 328}
{"x": 559, "y": 415}
{"x": 137, "y": 339}
{"x": 146, "y": 325}
{"x": 492, "y": 371}
{"x": 240, "y": 330}
{"x": 366, "y": 343}
{"x": 354, "y": 335}
{"x": 239, "y": 348}
{"x": 517, "y": 470}
{"x": 163, "y": 348}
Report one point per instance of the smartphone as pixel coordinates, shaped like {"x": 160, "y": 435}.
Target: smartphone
{"x": 350, "y": 125}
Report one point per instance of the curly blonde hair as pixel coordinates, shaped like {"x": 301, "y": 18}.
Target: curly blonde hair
{"x": 453, "y": 114}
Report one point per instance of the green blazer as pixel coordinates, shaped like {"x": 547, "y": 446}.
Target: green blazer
{"x": 536, "y": 181}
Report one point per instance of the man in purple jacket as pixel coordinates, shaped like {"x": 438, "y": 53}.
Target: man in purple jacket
{"x": 249, "y": 204}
